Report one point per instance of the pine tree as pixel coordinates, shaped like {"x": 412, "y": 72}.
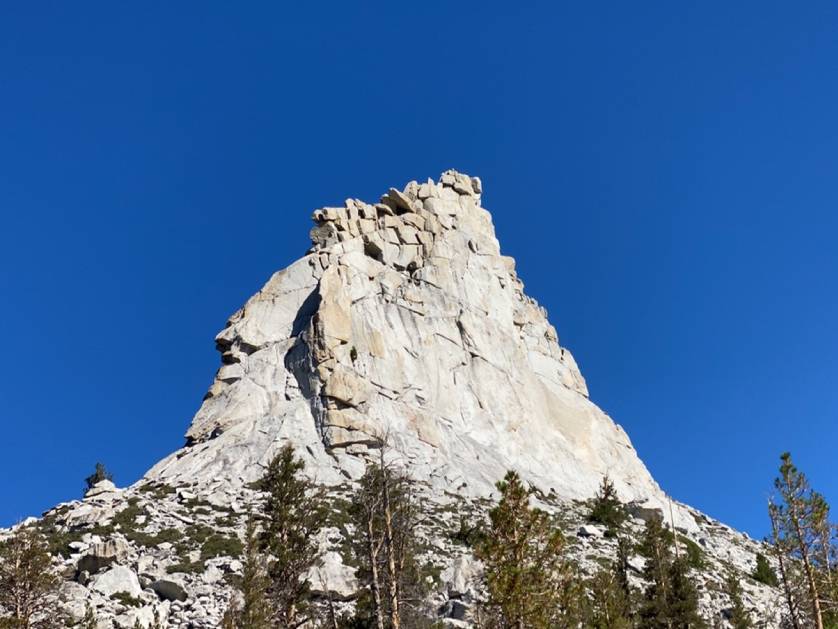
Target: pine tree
{"x": 99, "y": 474}
{"x": 529, "y": 580}
{"x": 386, "y": 514}
{"x": 682, "y": 599}
{"x": 291, "y": 518}
{"x": 608, "y": 604}
{"x": 802, "y": 538}
{"x": 739, "y": 616}
{"x": 606, "y": 508}
{"x": 670, "y": 600}
{"x": 764, "y": 573}
{"x": 28, "y": 582}
{"x": 255, "y": 611}
{"x": 365, "y": 512}
{"x": 655, "y": 548}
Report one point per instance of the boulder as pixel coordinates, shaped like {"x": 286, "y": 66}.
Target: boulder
{"x": 589, "y": 530}
{"x": 332, "y": 576}
{"x": 168, "y": 590}
{"x": 102, "y": 555}
{"x": 117, "y": 579}
{"x": 100, "y": 488}
{"x": 460, "y": 577}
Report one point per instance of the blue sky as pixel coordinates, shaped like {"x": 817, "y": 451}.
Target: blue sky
{"x": 663, "y": 172}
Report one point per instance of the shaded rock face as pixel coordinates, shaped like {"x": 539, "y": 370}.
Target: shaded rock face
{"x": 405, "y": 320}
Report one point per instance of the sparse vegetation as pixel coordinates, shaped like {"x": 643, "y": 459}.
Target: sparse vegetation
{"x": 218, "y": 545}
{"x": 28, "y": 580}
{"x": 126, "y": 599}
{"x": 99, "y": 474}
{"x": 186, "y": 567}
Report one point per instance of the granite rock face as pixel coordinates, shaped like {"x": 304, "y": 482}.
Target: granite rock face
{"x": 404, "y": 319}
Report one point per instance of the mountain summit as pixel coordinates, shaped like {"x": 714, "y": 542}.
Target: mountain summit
{"x": 402, "y": 323}
{"x": 405, "y": 319}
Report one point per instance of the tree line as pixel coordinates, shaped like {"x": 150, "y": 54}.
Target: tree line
{"x": 530, "y": 579}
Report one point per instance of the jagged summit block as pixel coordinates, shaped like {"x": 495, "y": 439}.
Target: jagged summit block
{"x": 405, "y": 319}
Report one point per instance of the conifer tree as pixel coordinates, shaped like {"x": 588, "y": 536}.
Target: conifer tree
{"x": 530, "y": 583}
{"x": 739, "y": 616}
{"x": 365, "y": 513}
{"x": 682, "y": 600}
{"x": 621, "y": 574}
{"x": 255, "y": 610}
{"x": 606, "y": 508}
{"x": 608, "y": 604}
{"x": 654, "y": 547}
{"x": 802, "y": 538}
{"x": 764, "y": 573}
{"x": 291, "y": 518}
{"x": 670, "y": 600}
{"x": 385, "y": 514}
{"x": 28, "y": 582}
{"x": 99, "y": 474}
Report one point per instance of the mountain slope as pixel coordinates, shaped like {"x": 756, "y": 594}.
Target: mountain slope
{"x": 402, "y": 321}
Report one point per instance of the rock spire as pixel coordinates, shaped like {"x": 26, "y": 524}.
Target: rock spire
{"x": 405, "y": 319}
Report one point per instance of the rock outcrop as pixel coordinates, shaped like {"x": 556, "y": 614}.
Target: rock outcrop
{"x": 403, "y": 321}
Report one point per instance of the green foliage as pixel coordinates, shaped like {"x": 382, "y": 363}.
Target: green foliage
{"x": 290, "y": 520}
{"x": 126, "y": 520}
{"x": 186, "y": 567}
{"x": 385, "y": 514}
{"x": 739, "y": 616}
{"x": 256, "y": 611}
{"x": 158, "y": 491}
{"x": 764, "y": 573}
{"x": 28, "y": 581}
{"x": 694, "y": 553}
{"x": 152, "y": 540}
{"x": 530, "y": 583}
{"x": 99, "y": 474}
{"x": 670, "y": 598}
{"x": 218, "y": 545}
{"x": 683, "y": 597}
{"x": 57, "y": 540}
{"x": 126, "y": 599}
{"x": 606, "y": 508}
{"x": 469, "y": 533}
{"x": 198, "y": 533}
{"x": 803, "y": 540}
{"x": 608, "y": 602}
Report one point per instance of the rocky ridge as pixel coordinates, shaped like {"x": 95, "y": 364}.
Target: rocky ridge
{"x": 403, "y": 319}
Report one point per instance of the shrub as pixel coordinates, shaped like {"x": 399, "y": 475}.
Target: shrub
{"x": 126, "y": 599}
{"x": 764, "y": 573}
{"x": 218, "y": 545}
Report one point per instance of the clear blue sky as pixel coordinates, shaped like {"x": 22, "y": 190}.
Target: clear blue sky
{"x": 665, "y": 174}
